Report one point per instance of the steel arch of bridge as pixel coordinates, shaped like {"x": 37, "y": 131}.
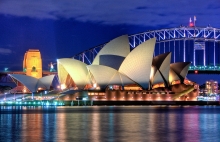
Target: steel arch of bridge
{"x": 179, "y": 41}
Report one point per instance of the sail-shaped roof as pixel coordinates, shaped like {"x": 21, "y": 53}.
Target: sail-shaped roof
{"x": 76, "y": 69}
{"x": 112, "y": 61}
{"x": 33, "y": 83}
{"x": 162, "y": 65}
{"x": 116, "y": 65}
{"x": 46, "y": 81}
{"x": 118, "y": 46}
{"x": 137, "y": 65}
{"x": 179, "y": 71}
{"x": 105, "y": 75}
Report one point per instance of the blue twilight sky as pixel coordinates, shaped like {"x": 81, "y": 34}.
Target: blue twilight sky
{"x": 63, "y": 28}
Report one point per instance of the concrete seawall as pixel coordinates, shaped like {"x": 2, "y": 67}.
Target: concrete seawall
{"x": 99, "y": 103}
{"x": 106, "y": 103}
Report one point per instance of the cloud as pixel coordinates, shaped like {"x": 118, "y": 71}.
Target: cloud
{"x": 142, "y": 12}
{"x": 5, "y": 51}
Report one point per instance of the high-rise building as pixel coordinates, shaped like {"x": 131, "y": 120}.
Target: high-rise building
{"x": 211, "y": 87}
{"x": 32, "y": 63}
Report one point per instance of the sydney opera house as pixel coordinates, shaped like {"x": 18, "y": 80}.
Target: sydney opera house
{"x": 118, "y": 73}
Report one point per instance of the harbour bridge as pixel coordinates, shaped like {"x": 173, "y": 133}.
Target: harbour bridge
{"x": 198, "y": 45}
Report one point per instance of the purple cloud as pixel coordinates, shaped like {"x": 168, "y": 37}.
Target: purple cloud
{"x": 142, "y": 12}
{"x": 5, "y": 51}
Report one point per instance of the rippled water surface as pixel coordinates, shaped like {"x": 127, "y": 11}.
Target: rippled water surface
{"x": 110, "y": 123}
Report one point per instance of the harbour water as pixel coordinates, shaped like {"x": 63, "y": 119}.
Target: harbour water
{"x": 110, "y": 123}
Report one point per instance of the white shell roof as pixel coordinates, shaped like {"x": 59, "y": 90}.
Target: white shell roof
{"x": 112, "y": 61}
{"x": 104, "y": 76}
{"x": 179, "y": 71}
{"x": 120, "y": 79}
{"x": 46, "y": 81}
{"x": 77, "y": 70}
{"x": 185, "y": 70}
{"x": 164, "y": 69}
{"x": 173, "y": 76}
{"x": 118, "y": 46}
{"x": 33, "y": 83}
{"x": 62, "y": 73}
{"x": 157, "y": 78}
{"x": 137, "y": 65}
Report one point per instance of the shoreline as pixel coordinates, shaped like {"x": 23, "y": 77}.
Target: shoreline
{"x": 106, "y": 103}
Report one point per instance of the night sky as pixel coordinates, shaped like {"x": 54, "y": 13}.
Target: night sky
{"x": 63, "y": 28}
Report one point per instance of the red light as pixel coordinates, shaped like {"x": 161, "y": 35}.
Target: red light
{"x": 196, "y": 72}
{"x": 191, "y": 24}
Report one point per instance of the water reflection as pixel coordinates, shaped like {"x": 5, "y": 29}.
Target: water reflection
{"x": 95, "y": 127}
{"x": 10, "y": 126}
{"x": 31, "y": 127}
{"x": 110, "y": 123}
{"x": 61, "y": 127}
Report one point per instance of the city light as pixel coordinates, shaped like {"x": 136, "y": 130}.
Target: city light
{"x": 205, "y": 68}
{"x": 5, "y": 69}
{"x": 63, "y": 86}
{"x": 94, "y": 85}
